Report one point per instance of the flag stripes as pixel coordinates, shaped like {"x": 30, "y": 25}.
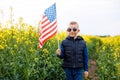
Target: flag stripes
{"x": 48, "y": 26}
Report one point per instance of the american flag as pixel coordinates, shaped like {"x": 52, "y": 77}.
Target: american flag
{"x": 48, "y": 27}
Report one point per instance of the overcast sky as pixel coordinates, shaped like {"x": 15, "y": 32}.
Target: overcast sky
{"x": 95, "y": 17}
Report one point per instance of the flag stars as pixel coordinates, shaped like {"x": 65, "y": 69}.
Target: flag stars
{"x": 51, "y": 13}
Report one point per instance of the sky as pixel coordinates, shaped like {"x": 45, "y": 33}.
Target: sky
{"x": 95, "y": 17}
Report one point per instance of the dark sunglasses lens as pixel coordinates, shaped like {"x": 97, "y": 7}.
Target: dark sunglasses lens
{"x": 68, "y": 29}
{"x": 74, "y": 29}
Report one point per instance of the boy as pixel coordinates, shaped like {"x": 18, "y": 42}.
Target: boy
{"x": 74, "y": 53}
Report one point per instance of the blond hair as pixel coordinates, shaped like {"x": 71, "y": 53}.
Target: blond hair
{"x": 73, "y": 22}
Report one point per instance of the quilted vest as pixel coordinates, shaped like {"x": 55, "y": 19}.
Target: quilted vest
{"x": 73, "y": 52}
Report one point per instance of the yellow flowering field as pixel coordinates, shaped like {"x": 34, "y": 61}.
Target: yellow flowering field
{"x": 20, "y": 58}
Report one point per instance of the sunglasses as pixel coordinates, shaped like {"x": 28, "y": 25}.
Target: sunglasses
{"x": 70, "y": 29}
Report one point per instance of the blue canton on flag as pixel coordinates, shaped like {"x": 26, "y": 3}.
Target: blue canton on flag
{"x": 51, "y": 12}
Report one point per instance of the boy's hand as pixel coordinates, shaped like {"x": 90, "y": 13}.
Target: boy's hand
{"x": 58, "y": 51}
{"x": 85, "y": 74}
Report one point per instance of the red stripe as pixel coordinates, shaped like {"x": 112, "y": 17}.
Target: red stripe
{"x": 49, "y": 27}
{"x": 50, "y": 31}
{"x": 45, "y": 25}
{"x": 40, "y": 45}
{"x": 44, "y": 21}
{"x": 50, "y": 36}
{"x": 41, "y": 42}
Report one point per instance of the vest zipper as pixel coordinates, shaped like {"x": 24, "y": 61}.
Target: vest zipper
{"x": 74, "y": 53}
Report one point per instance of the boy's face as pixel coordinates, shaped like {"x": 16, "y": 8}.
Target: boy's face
{"x": 73, "y": 30}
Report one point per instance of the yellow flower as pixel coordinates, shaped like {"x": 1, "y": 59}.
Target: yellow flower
{"x": 31, "y": 49}
{"x": 45, "y": 51}
{"x": 116, "y": 55}
{"x": 15, "y": 46}
{"x": 19, "y": 40}
{"x": 1, "y": 47}
{"x": 14, "y": 37}
{"x": 28, "y": 42}
{"x": 103, "y": 47}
